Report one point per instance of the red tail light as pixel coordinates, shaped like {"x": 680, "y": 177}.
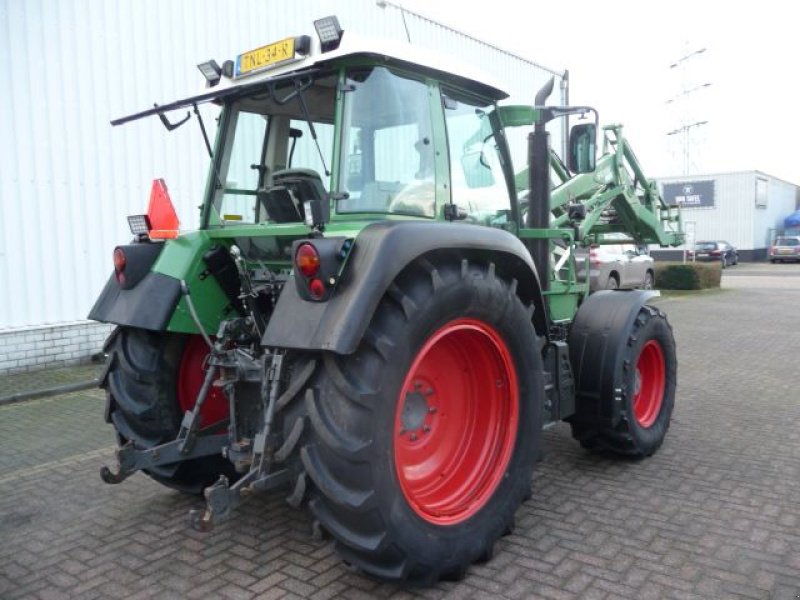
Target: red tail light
{"x": 307, "y": 260}
{"x": 119, "y": 265}
{"x": 715, "y": 253}
{"x": 316, "y": 288}
{"x": 594, "y": 255}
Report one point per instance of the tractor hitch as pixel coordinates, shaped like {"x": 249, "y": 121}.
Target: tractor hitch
{"x": 222, "y": 498}
{"x": 130, "y": 459}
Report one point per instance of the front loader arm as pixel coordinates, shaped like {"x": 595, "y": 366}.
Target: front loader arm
{"x": 618, "y": 198}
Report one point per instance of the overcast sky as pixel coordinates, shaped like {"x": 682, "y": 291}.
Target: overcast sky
{"x": 619, "y": 54}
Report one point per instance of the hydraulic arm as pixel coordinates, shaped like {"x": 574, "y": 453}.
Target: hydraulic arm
{"x": 617, "y": 197}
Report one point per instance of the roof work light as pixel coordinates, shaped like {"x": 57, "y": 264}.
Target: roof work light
{"x": 211, "y": 71}
{"x": 329, "y": 33}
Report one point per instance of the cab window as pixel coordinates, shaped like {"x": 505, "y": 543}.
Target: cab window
{"x": 477, "y": 183}
{"x": 388, "y": 161}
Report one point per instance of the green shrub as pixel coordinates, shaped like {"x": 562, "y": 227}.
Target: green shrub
{"x": 688, "y": 276}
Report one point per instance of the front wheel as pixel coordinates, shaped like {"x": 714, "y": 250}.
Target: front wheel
{"x": 423, "y": 441}
{"x": 644, "y": 381}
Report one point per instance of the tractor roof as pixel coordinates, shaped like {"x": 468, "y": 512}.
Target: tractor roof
{"x": 353, "y": 49}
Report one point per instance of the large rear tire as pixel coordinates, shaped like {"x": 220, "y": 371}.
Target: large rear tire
{"x": 644, "y": 381}
{"x": 152, "y": 379}
{"x": 423, "y": 441}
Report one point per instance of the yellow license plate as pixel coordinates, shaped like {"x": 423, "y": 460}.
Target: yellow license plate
{"x": 265, "y": 56}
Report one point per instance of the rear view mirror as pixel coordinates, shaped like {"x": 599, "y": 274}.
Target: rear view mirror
{"x": 582, "y": 148}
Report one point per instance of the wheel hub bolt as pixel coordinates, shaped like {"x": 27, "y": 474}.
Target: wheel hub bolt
{"x": 413, "y": 437}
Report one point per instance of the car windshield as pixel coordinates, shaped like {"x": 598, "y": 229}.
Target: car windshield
{"x": 787, "y": 242}
{"x": 271, "y": 160}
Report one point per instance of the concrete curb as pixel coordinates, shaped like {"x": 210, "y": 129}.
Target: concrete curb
{"x": 53, "y": 391}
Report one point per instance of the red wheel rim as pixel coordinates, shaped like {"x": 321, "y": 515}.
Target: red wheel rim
{"x": 191, "y": 374}
{"x": 649, "y": 384}
{"x": 456, "y": 422}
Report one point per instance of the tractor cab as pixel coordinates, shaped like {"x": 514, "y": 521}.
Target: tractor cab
{"x": 334, "y": 130}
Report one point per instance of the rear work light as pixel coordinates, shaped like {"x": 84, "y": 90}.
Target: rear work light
{"x": 139, "y": 224}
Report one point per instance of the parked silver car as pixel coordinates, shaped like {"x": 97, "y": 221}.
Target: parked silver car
{"x": 785, "y": 248}
{"x": 613, "y": 266}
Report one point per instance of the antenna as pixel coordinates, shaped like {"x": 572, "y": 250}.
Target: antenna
{"x": 684, "y": 103}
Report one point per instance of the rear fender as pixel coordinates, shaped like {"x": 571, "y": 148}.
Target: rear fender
{"x": 381, "y": 251}
{"x": 155, "y": 302}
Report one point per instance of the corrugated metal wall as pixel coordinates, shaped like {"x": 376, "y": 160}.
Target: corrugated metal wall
{"x": 68, "y": 179}
{"x": 782, "y": 198}
{"x": 735, "y": 216}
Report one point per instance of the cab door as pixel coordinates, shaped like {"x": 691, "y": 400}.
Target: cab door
{"x": 478, "y": 185}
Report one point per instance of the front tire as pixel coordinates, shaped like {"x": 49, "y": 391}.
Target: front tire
{"x": 152, "y": 378}
{"x": 423, "y": 441}
{"x": 645, "y": 378}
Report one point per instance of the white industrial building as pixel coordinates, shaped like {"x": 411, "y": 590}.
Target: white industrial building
{"x": 68, "y": 179}
{"x": 745, "y": 208}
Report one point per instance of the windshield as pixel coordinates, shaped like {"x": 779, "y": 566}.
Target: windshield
{"x": 388, "y": 162}
{"x": 271, "y": 162}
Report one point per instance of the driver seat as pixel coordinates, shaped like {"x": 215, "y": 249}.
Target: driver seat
{"x": 283, "y": 200}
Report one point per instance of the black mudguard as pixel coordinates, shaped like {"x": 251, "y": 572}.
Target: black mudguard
{"x": 596, "y": 342}
{"x": 381, "y": 251}
{"x": 148, "y": 305}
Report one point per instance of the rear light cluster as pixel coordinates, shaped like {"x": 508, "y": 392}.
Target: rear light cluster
{"x": 318, "y": 263}
{"x": 132, "y": 262}
{"x": 594, "y": 255}
{"x": 308, "y": 262}
{"x": 120, "y": 262}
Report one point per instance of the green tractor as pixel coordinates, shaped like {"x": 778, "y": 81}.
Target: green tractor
{"x": 380, "y": 311}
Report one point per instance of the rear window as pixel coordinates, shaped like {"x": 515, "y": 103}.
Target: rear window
{"x": 787, "y": 242}
{"x": 706, "y": 246}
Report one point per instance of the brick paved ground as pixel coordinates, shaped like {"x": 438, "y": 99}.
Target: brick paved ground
{"x": 715, "y": 514}
{"x": 31, "y": 381}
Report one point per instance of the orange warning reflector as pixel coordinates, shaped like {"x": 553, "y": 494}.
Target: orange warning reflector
{"x": 163, "y": 219}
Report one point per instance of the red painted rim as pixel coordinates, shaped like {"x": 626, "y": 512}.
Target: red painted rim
{"x": 456, "y": 422}
{"x": 651, "y": 379}
{"x": 191, "y": 374}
